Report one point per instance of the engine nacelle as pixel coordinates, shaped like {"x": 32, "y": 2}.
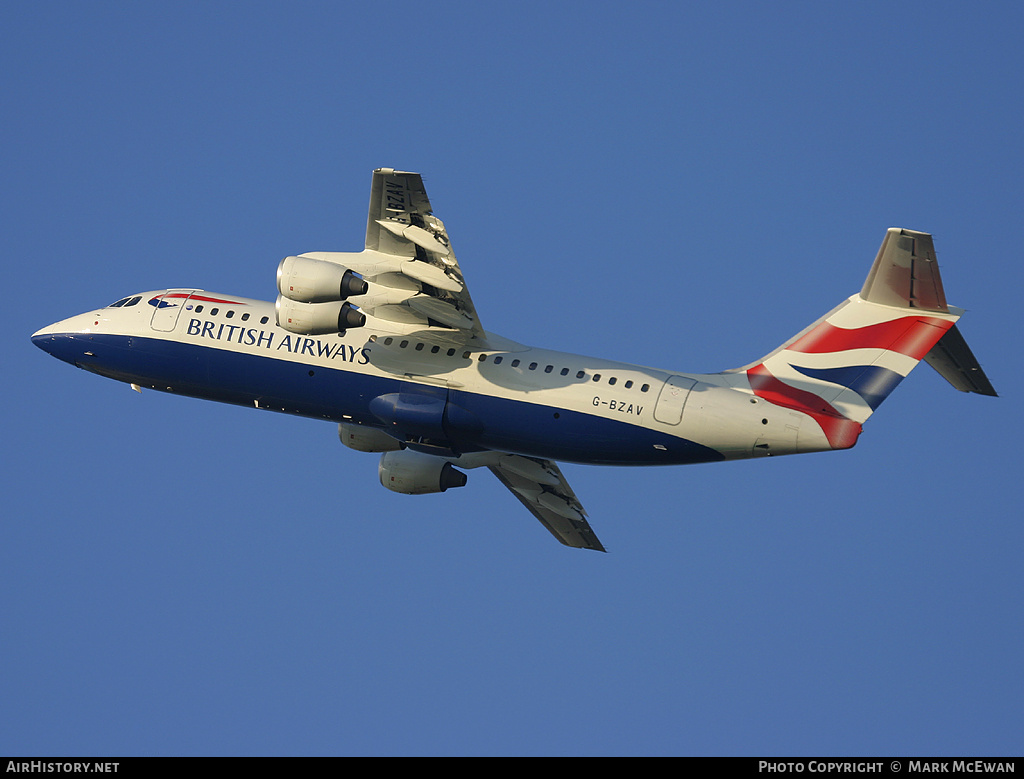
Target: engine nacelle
{"x": 316, "y": 281}
{"x": 366, "y": 439}
{"x": 413, "y": 473}
{"x": 317, "y": 318}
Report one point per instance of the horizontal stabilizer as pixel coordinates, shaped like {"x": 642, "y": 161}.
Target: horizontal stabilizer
{"x": 906, "y": 273}
{"x": 953, "y": 359}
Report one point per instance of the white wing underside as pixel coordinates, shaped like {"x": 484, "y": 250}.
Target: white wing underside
{"x": 541, "y": 487}
{"x": 406, "y": 238}
{"x": 415, "y": 281}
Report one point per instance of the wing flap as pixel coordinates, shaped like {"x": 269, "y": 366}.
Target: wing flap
{"x": 401, "y": 224}
{"x": 542, "y": 489}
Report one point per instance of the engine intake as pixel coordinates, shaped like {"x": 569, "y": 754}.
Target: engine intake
{"x": 317, "y": 318}
{"x": 316, "y": 281}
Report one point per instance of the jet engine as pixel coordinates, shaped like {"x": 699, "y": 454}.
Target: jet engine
{"x": 413, "y": 473}
{"x": 316, "y": 281}
{"x": 366, "y": 439}
{"x": 317, "y": 318}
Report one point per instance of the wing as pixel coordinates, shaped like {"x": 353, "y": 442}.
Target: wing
{"x": 541, "y": 487}
{"x": 401, "y": 225}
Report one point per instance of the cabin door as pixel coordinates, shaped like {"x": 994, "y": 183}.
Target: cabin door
{"x": 167, "y": 308}
{"x": 672, "y": 398}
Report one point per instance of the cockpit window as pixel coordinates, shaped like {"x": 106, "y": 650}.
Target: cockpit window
{"x": 124, "y": 302}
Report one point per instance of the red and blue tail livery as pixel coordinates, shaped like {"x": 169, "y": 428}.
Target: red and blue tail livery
{"x": 386, "y": 343}
{"x": 839, "y": 370}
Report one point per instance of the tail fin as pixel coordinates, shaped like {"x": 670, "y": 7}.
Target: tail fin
{"x": 840, "y": 369}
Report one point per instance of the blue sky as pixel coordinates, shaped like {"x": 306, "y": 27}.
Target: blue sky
{"x": 676, "y": 185}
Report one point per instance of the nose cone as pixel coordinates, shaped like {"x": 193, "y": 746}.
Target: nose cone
{"x": 63, "y": 346}
{"x": 46, "y": 337}
{"x": 67, "y": 340}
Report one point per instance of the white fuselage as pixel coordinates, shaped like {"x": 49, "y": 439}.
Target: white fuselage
{"x": 506, "y": 397}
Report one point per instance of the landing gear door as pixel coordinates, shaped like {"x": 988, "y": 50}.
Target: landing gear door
{"x": 672, "y": 398}
{"x": 167, "y": 308}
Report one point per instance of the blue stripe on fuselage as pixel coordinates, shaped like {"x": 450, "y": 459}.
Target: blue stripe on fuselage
{"x": 332, "y": 393}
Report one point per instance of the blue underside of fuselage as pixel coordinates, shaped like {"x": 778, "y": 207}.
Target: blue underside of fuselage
{"x": 340, "y": 395}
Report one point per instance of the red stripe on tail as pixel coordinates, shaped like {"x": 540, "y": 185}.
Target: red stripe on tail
{"x": 909, "y": 335}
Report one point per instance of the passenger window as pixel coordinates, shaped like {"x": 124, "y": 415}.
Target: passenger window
{"x": 515, "y": 363}
{"x": 245, "y": 317}
{"x": 230, "y": 313}
{"x": 483, "y": 358}
{"x": 612, "y": 380}
{"x": 581, "y": 374}
{"x": 645, "y": 388}
{"x": 549, "y": 368}
{"x": 199, "y": 308}
{"x": 565, "y": 371}
{"x": 597, "y": 377}
{"x": 451, "y": 352}
{"x": 533, "y": 366}
{"x": 435, "y": 349}
{"x": 263, "y": 320}
{"x": 497, "y": 360}
{"x": 629, "y": 384}
{"x": 419, "y": 346}
{"x": 214, "y": 311}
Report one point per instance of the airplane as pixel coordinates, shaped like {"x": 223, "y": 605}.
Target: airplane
{"x": 387, "y": 344}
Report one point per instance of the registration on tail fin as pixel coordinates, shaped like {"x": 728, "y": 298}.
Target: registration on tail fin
{"x": 840, "y": 369}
